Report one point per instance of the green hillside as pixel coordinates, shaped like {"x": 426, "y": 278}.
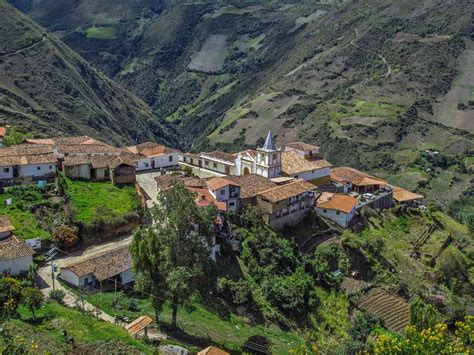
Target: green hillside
{"x": 373, "y": 82}
{"x": 47, "y": 88}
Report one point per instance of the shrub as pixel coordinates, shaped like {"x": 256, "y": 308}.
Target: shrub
{"x": 57, "y": 295}
{"x": 65, "y": 237}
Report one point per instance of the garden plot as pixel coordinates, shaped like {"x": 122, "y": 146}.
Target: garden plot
{"x": 393, "y": 310}
{"x": 212, "y": 55}
{"x": 433, "y": 245}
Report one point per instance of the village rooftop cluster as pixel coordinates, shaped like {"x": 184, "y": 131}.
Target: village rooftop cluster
{"x": 284, "y": 184}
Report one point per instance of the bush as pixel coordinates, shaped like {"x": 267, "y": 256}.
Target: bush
{"x": 65, "y": 237}
{"x": 57, "y": 296}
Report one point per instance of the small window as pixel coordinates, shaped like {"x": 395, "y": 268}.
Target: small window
{"x": 170, "y": 158}
{"x": 222, "y": 192}
{"x": 227, "y": 170}
{"x": 232, "y": 204}
{"x": 215, "y": 165}
{"x": 296, "y": 176}
{"x": 50, "y": 167}
{"x": 338, "y": 212}
{"x": 325, "y": 211}
{"x": 206, "y": 162}
{"x": 38, "y": 168}
{"x": 6, "y": 170}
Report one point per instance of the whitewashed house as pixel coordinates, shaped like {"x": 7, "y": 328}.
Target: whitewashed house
{"x": 339, "y": 208}
{"x": 154, "y": 156}
{"x": 27, "y": 161}
{"x": 16, "y": 256}
{"x": 225, "y": 190}
{"x": 101, "y": 271}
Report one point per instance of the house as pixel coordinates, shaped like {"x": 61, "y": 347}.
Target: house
{"x": 75, "y": 145}
{"x": 225, "y": 190}
{"x": 286, "y": 204}
{"x": 357, "y": 181}
{"x": 118, "y": 168}
{"x": 402, "y": 196}
{"x": 212, "y": 350}
{"x": 304, "y": 165}
{"x": 101, "y": 271}
{"x": 250, "y": 186}
{"x": 16, "y": 256}
{"x": 26, "y": 161}
{"x": 154, "y": 156}
{"x": 339, "y": 208}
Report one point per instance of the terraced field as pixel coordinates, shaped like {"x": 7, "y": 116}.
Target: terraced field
{"x": 393, "y": 310}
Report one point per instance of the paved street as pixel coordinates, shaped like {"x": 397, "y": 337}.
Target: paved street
{"x": 148, "y": 184}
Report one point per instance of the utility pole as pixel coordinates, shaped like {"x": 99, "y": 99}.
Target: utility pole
{"x": 50, "y": 254}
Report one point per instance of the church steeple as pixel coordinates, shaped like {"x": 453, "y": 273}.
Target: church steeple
{"x": 268, "y": 160}
{"x": 269, "y": 144}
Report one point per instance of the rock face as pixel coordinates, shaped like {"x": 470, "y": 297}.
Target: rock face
{"x": 173, "y": 350}
{"x": 46, "y": 87}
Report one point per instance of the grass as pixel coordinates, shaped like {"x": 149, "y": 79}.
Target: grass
{"x": 90, "y": 335}
{"x": 363, "y": 108}
{"x": 25, "y": 223}
{"x": 202, "y": 323}
{"x": 90, "y": 198}
{"x": 331, "y": 324}
{"x": 100, "y": 32}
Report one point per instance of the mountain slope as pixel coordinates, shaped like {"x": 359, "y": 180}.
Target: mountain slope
{"x": 46, "y": 87}
{"x": 375, "y": 83}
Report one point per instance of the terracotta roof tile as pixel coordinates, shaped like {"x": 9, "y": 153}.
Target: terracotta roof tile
{"x": 302, "y": 146}
{"x": 138, "y": 325}
{"x": 354, "y": 176}
{"x": 204, "y": 198}
{"x": 150, "y": 149}
{"x": 251, "y": 185}
{"x": 212, "y": 350}
{"x": 227, "y": 157}
{"x": 338, "y": 202}
{"x": 25, "y": 154}
{"x": 5, "y": 224}
{"x": 286, "y": 191}
{"x": 13, "y": 248}
{"x": 292, "y": 163}
{"x": 219, "y": 182}
{"x": 402, "y": 195}
{"x": 104, "y": 265}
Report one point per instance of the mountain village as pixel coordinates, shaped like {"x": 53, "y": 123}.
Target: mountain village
{"x": 285, "y": 185}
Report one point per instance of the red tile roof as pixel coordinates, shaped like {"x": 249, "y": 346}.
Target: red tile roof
{"x": 402, "y": 195}
{"x": 150, "y": 149}
{"x": 354, "y": 176}
{"x": 292, "y": 163}
{"x": 104, "y": 265}
{"x": 13, "y": 248}
{"x": 338, "y": 202}
{"x": 302, "y": 146}
{"x": 283, "y": 192}
{"x": 216, "y": 183}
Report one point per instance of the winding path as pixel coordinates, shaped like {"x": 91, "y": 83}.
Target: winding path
{"x": 3, "y": 54}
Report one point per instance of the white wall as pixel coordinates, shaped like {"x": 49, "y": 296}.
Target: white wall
{"x": 314, "y": 174}
{"x": 143, "y": 164}
{"x": 339, "y": 217}
{"x": 8, "y": 174}
{"x": 220, "y": 167}
{"x": 16, "y": 266}
{"x": 70, "y": 277}
{"x": 37, "y": 170}
{"x": 163, "y": 161}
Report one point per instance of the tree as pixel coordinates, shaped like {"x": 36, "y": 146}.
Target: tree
{"x": 422, "y": 315}
{"x": 32, "y": 298}
{"x": 10, "y": 296}
{"x": 434, "y": 340}
{"x": 64, "y": 237}
{"x": 170, "y": 256}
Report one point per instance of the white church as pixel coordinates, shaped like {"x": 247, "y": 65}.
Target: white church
{"x": 297, "y": 160}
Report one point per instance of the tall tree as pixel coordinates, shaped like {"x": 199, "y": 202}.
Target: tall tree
{"x": 170, "y": 256}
